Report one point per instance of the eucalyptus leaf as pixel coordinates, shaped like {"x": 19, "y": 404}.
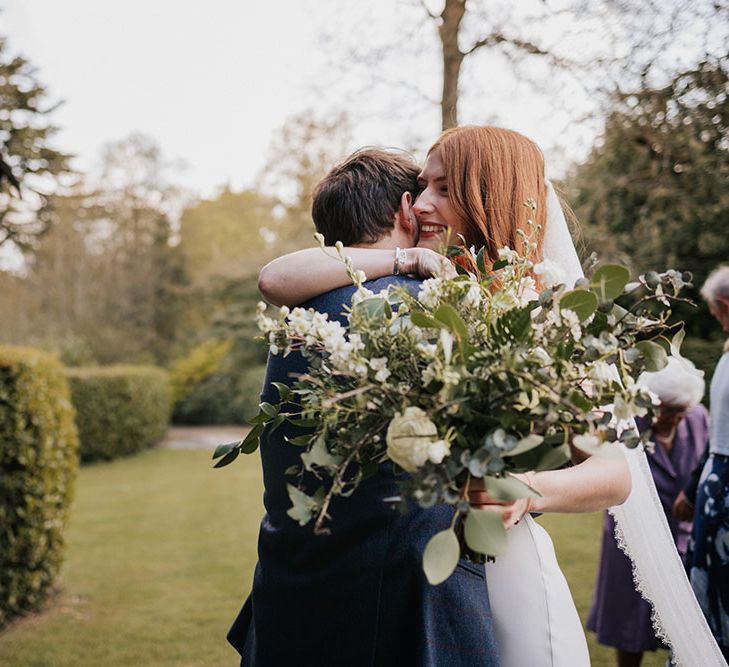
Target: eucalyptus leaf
{"x": 524, "y": 445}
{"x": 581, "y": 302}
{"x": 509, "y": 488}
{"x": 484, "y": 532}
{"x": 284, "y": 391}
{"x": 654, "y": 355}
{"x": 374, "y": 308}
{"x": 420, "y": 319}
{"x": 554, "y": 458}
{"x": 441, "y": 556}
{"x": 609, "y": 281}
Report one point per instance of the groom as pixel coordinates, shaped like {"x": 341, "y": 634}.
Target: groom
{"x": 356, "y": 597}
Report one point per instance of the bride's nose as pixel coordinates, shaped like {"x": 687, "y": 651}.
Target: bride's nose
{"x": 422, "y": 204}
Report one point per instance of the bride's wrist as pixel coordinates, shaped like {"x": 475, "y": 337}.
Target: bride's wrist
{"x": 409, "y": 263}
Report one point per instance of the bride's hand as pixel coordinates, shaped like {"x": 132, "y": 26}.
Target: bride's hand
{"x": 511, "y": 513}
{"x": 426, "y": 263}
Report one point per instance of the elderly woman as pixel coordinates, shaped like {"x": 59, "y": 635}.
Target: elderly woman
{"x": 619, "y": 615}
{"x": 708, "y": 560}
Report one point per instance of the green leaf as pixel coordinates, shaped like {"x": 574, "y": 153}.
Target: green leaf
{"x": 526, "y": 444}
{"x": 228, "y": 458}
{"x": 277, "y": 421}
{"x": 252, "y": 440}
{"x": 302, "y": 506}
{"x": 581, "y": 302}
{"x": 580, "y": 401}
{"x": 484, "y": 532}
{"x": 284, "y": 391}
{"x": 499, "y": 264}
{"x": 269, "y": 410}
{"x": 319, "y": 455}
{"x": 609, "y": 281}
{"x": 441, "y": 556}
{"x": 453, "y": 321}
{"x": 676, "y": 343}
{"x": 420, "y": 319}
{"x": 480, "y": 261}
{"x": 299, "y": 440}
{"x": 460, "y": 270}
{"x": 554, "y": 458}
{"x": 509, "y": 488}
{"x": 654, "y": 355}
{"x": 222, "y": 450}
{"x": 373, "y": 308}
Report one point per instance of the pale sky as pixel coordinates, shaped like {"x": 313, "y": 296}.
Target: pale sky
{"x": 212, "y": 81}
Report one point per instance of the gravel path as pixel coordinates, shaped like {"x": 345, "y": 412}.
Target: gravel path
{"x": 202, "y": 437}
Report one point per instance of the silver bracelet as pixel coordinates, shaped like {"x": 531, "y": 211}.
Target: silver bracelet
{"x": 401, "y": 257}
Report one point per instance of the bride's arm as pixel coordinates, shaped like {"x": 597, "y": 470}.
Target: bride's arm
{"x": 294, "y": 278}
{"x": 594, "y": 484}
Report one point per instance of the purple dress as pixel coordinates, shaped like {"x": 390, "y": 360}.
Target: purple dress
{"x": 619, "y": 615}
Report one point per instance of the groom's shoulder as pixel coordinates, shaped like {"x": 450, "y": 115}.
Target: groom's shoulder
{"x": 333, "y": 302}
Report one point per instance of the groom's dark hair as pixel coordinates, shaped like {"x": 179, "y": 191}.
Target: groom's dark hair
{"x": 357, "y": 200}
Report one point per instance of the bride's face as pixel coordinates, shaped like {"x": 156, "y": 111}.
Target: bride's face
{"x": 433, "y": 208}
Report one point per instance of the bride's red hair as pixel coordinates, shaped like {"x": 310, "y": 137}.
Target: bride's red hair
{"x": 491, "y": 173}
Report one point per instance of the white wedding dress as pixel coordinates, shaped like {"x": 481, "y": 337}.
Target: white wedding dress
{"x": 535, "y": 617}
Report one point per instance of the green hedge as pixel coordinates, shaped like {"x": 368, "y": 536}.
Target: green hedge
{"x": 38, "y": 463}
{"x": 228, "y": 396}
{"x": 120, "y": 410}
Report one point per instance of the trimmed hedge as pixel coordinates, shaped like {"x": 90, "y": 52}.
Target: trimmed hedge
{"x": 38, "y": 463}
{"x": 120, "y": 410}
{"x": 225, "y": 397}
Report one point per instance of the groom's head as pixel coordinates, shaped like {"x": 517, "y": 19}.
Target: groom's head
{"x": 367, "y": 198}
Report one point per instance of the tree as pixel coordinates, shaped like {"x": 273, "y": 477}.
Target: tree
{"x": 27, "y": 156}
{"x": 653, "y": 191}
{"x": 221, "y": 237}
{"x": 305, "y": 148}
{"x": 555, "y": 47}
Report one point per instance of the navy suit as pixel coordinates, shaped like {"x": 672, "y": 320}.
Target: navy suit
{"x": 358, "y": 596}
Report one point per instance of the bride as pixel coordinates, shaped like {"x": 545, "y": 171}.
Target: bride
{"x": 474, "y": 184}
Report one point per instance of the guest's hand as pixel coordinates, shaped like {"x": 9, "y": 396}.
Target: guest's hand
{"x": 511, "y": 513}
{"x": 683, "y": 510}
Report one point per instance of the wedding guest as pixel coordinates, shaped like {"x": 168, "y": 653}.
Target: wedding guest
{"x": 708, "y": 558}
{"x": 619, "y": 615}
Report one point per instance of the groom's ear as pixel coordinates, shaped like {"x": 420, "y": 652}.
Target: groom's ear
{"x": 405, "y": 215}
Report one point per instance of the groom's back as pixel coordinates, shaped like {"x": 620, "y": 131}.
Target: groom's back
{"x": 356, "y": 596}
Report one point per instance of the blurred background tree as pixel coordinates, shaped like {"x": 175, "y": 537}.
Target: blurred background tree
{"x": 29, "y": 164}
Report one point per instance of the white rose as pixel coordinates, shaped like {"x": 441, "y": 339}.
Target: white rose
{"x": 409, "y": 438}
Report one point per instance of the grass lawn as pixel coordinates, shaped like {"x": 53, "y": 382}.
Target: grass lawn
{"x": 161, "y": 549}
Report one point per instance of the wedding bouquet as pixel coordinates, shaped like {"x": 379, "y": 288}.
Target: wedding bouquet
{"x": 489, "y": 373}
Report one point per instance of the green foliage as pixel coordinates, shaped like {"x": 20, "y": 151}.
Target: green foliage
{"x": 705, "y": 355}
{"x": 201, "y": 362}
{"x": 26, "y": 151}
{"x": 38, "y": 462}
{"x": 653, "y": 191}
{"x": 120, "y": 410}
{"x": 229, "y": 396}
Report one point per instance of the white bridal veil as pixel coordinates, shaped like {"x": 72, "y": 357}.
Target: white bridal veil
{"x": 641, "y": 529}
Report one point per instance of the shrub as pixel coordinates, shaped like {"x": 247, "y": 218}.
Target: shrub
{"x": 200, "y": 363}
{"x": 38, "y": 462}
{"x": 120, "y": 410}
{"x": 226, "y": 397}
{"x": 705, "y": 355}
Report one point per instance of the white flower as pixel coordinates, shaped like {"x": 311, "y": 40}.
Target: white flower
{"x": 569, "y": 317}
{"x": 410, "y": 436}
{"x": 361, "y": 294}
{"x": 438, "y": 450}
{"x": 430, "y": 292}
{"x": 625, "y": 409}
{"x": 472, "y": 297}
{"x": 550, "y": 272}
{"x": 379, "y": 365}
{"x": 603, "y": 372}
{"x": 508, "y": 254}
